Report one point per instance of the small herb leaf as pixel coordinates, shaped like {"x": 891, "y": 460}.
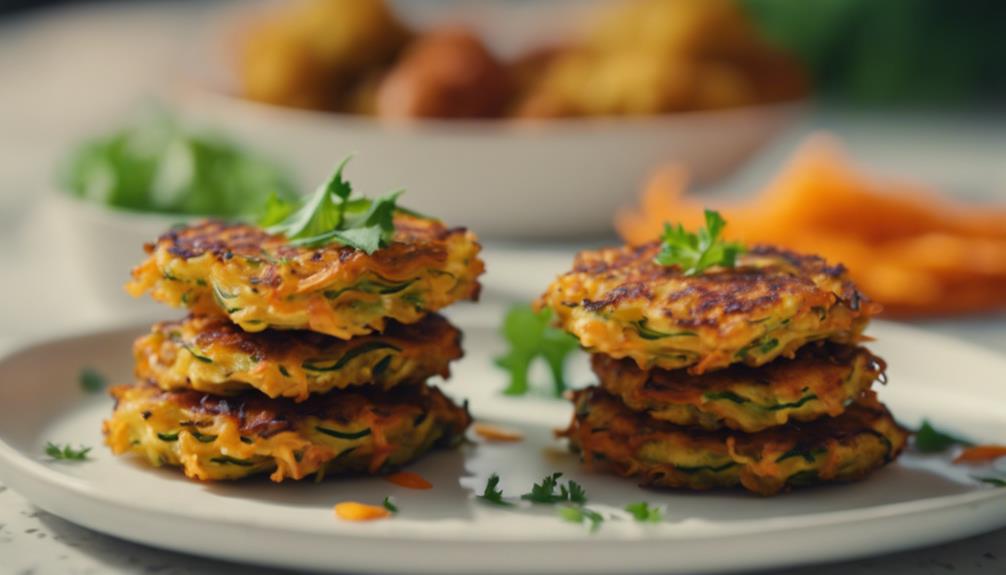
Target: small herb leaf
{"x": 492, "y": 493}
{"x": 66, "y": 453}
{"x": 643, "y": 513}
{"x": 578, "y": 514}
{"x": 696, "y": 252}
{"x": 928, "y": 439}
{"x": 530, "y": 336}
{"x": 91, "y": 381}
{"x": 390, "y": 505}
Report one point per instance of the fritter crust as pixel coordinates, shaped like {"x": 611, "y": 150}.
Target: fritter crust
{"x": 210, "y": 354}
{"x": 620, "y": 302}
{"x": 845, "y": 448}
{"x": 342, "y": 432}
{"x": 820, "y": 381}
{"x": 261, "y": 281}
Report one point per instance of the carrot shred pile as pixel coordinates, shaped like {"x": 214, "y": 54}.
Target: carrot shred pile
{"x": 497, "y": 434}
{"x": 915, "y": 252}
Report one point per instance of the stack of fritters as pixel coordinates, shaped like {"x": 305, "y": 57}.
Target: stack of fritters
{"x": 749, "y": 375}
{"x": 296, "y": 360}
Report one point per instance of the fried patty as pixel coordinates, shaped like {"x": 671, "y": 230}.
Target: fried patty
{"x": 261, "y": 281}
{"x": 621, "y": 303}
{"x": 844, "y": 448}
{"x": 210, "y": 354}
{"x": 342, "y": 432}
{"x": 821, "y": 381}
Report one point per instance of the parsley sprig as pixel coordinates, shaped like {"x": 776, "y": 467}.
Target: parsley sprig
{"x": 492, "y": 493}
{"x": 66, "y": 453}
{"x": 643, "y": 513}
{"x": 545, "y": 491}
{"x": 390, "y": 505}
{"x": 929, "y": 439}
{"x": 531, "y": 336}
{"x": 332, "y": 215}
{"x": 696, "y": 252}
{"x": 580, "y": 514}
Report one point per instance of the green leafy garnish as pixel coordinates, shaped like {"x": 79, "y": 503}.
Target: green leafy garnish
{"x": 331, "y": 215}
{"x": 928, "y": 439}
{"x": 545, "y": 492}
{"x": 578, "y": 514}
{"x": 531, "y": 336}
{"x": 66, "y": 453}
{"x": 390, "y": 505}
{"x": 695, "y": 252}
{"x": 90, "y": 380}
{"x": 994, "y": 481}
{"x": 642, "y": 512}
{"x": 158, "y": 165}
{"x": 492, "y": 493}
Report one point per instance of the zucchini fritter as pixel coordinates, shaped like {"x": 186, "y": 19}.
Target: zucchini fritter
{"x": 621, "y": 303}
{"x": 261, "y": 281}
{"x": 342, "y": 432}
{"x": 210, "y": 354}
{"x": 844, "y": 448}
{"x": 820, "y": 381}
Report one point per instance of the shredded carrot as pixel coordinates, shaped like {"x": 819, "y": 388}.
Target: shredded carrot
{"x": 497, "y": 434}
{"x": 353, "y": 511}
{"x": 409, "y": 480}
{"x": 981, "y": 454}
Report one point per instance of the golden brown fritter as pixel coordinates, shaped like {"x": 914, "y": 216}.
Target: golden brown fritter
{"x": 844, "y": 448}
{"x": 821, "y": 381}
{"x": 621, "y": 303}
{"x": 261, "y": 281}
{"x": 341, "y": 432}
{"x": 210, "y": 354}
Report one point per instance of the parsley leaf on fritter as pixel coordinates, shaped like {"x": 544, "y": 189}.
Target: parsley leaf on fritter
{"x": 330, "y": 215}
{"x": 695, "y": 252}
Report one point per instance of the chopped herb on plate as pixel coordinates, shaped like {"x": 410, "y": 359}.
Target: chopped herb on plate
{"x": 643, "y": 513}
{"x": 91, "y": 381}
{"x": 66, "y": 453}
{"x": 492, "y": 493}
{"x": 929, "y": 439}
{"x": 578, "y": 514}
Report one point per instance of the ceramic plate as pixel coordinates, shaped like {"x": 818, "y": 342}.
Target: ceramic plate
{"x": 919, "y": 501}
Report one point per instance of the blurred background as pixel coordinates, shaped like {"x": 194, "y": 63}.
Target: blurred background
{"x": 869, "y": 132}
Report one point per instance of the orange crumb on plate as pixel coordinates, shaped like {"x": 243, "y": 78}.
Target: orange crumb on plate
{"x": 409, "y": 480}
{"x": 495, "y": 433}
{"x": 354, "y": 511}
{"x": 981, "y": 454}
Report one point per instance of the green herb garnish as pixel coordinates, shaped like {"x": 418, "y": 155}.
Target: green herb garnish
{"x": 928, "y": 439}
{"x": 994, "y": 481}
{"x": 390, "y": 505}
{"x": 643, "y": 513}
{"x": 531, "y": 336}
{"x": 331, "y": 215}
{"x": 90, "y": 380}
{"x": 492, "y": 493}
{"x": 158, "y": 165}
{"x": 66, "y": 453}
{"x": 546, "y": 492}
{"x": 578, "y": 514}
{"x": 694, "y": 253}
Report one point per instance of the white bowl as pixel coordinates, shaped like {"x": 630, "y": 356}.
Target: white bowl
{"x": 503, "y": 179}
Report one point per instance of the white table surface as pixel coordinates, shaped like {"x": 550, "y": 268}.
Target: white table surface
{"x": 39, "y": 116}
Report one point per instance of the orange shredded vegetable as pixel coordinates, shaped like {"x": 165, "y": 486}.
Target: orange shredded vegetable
{"x": 354, "y": 511}
{"x": 409, "y": 480}
{"x": 913, "y": 251}
{"x": 981, "y": 454}
{"x": 497, "y": 434}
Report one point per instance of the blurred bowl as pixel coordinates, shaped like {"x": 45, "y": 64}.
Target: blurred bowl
{"x": 504, "y": 179}
{"x": 103, "y": 244}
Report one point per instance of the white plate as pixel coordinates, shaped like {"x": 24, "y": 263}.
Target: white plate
{"x": 921, "y": 500}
